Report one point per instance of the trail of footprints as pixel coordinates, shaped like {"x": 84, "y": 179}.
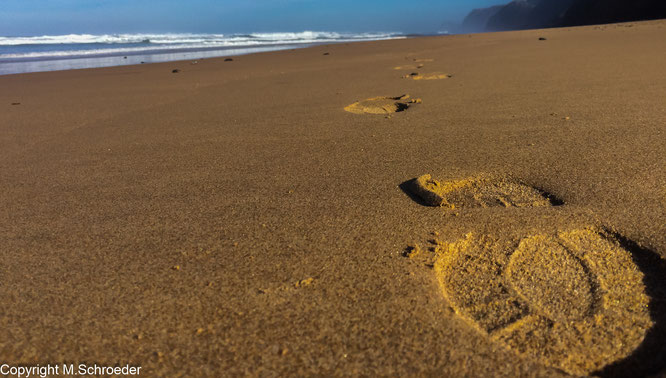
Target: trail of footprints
{"x": 386, "y": 105}
{"x": 576, "y": 300}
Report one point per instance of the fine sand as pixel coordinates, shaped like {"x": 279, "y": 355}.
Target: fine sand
{"x": 474, "y": 205}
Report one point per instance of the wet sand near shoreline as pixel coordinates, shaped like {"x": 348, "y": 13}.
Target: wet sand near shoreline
{"x": 233, "y": 218}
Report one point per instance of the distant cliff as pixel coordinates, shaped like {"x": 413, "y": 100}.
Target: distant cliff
{"x": 477, "y": 19}
{"x": 547, "y": 14}
{"x": 587, "y": 12}
{"x": 534, "y": 14}
{"x": 511, "y": 16}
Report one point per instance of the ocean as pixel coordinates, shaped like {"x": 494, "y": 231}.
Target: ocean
{"x": 74, "y": 51}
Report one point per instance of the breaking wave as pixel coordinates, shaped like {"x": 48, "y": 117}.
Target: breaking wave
{"x": 117, "y": 44}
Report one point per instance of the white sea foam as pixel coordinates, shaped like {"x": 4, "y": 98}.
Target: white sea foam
{"x": 72, "y": 51}
{"x": 183, "y": 38}
{"x": 85, "y": 45}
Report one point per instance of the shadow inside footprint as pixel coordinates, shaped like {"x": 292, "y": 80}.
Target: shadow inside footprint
{"x": 476, "y": 192}
{"x": 650, "y": 357}
{"x": 406, "y": 188}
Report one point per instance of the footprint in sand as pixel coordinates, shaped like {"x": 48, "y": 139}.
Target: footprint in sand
{"x": 418, "y": 63}
{"x": 575, "y": 300}
{"x": 478, "y": 192}
{"x": 409, "y": 67}
{"x": 428, "y": 76}
{"x": 382, "y": 105}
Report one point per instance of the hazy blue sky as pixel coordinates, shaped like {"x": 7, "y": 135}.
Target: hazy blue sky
{"x": 37, "y": 17}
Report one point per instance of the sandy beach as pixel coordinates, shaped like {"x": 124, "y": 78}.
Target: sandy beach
{"x": 261, "y": 216}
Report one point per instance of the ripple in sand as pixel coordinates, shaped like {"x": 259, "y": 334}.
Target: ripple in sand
{"x": 478, "y": 192}
{"x": 382, "y": 105}
{"x": 575, "y": 301}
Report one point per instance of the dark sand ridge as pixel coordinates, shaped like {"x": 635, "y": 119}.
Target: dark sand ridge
{"x": 251, "y": 178}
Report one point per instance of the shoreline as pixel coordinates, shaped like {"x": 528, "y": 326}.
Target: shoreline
{"x": 27, "y": 65}
{"x": 101, "y": 59}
